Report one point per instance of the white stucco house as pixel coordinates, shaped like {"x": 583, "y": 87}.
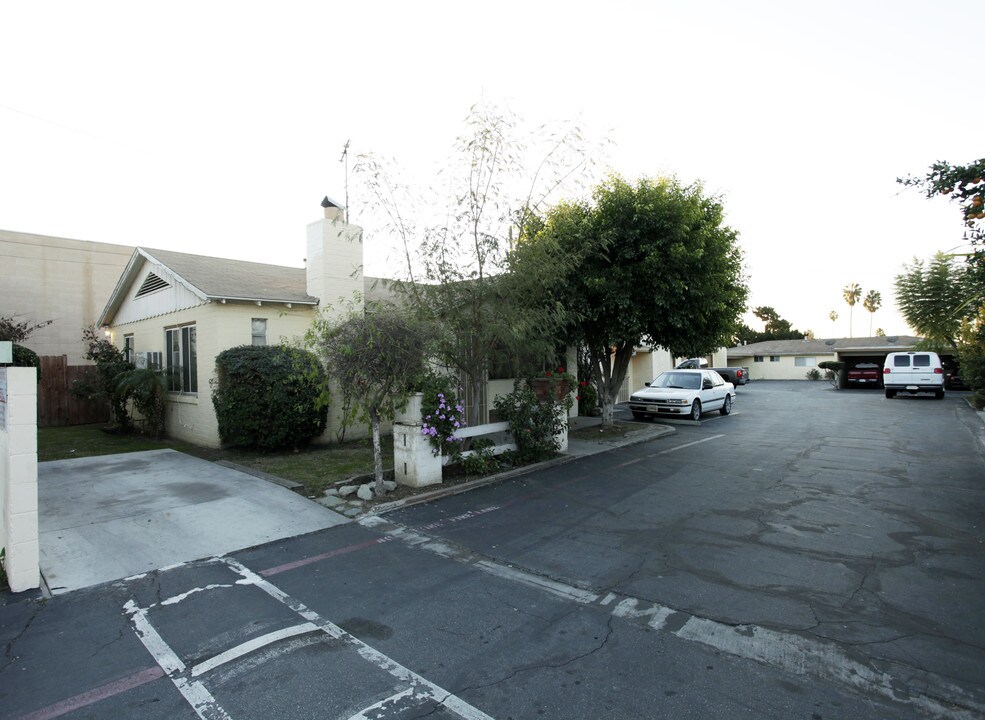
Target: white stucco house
{"x": 793, "y": 359}
{"x": 172, "y": 309}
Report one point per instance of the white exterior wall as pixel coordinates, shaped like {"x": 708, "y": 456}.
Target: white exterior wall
{"x": 784, "y": 369}
{"x": 191, "y": 417}
{"x": 334, "y": 264}
{"x": 19, "y": 477}
{"x": 159, "y": 302}
{"x": 66, "y": 281}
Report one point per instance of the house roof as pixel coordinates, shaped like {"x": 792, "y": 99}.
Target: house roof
{"x": 824, "y": 347}
{"x": 219, "y": 278}
{"x": 213, "y": 278}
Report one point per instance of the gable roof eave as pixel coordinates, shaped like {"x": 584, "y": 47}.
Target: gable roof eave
{"x": 127, "y": 278}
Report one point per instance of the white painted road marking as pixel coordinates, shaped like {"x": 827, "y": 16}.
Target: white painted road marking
{"x": 205, "y": 705}
{"x": 788, "y": 652}
{"x": 686, "y": 445}
{"x": 421, "y": 686}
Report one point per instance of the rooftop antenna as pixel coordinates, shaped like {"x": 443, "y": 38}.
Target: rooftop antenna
{"x": 345, "y": 159}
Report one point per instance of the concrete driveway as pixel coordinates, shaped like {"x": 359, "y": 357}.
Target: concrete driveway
{"x": 113, "y": 516}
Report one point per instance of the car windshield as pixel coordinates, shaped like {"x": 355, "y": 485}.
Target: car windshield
{"x": 690, "y": 381}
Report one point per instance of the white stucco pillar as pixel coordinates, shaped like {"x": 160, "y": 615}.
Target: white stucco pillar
{"x": 19, "y": 477}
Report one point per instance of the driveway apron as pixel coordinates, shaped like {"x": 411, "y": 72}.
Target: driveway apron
{"x": 114, "y": 516}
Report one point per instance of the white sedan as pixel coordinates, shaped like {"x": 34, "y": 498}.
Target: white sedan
{"x": 683, "y": 392}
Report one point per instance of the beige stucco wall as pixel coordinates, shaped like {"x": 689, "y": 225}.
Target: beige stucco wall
{"x": 784, "y": 369}
{"x": 218, "y": 327}
{"x": 59, "y": 279}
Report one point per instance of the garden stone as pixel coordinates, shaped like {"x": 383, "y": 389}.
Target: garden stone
{"x": 365, "y": 492}
{"x": 347, "y": 490}
{"x": 330, "y": 501}
{"x": 352, "y": 511}
{"x": 331, "y": 491}
{"x": 389, "y": 485}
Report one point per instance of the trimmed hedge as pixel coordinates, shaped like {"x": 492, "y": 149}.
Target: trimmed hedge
{"x": 269, "y": 396}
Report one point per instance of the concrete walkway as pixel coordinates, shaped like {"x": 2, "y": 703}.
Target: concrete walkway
{"x": 109, "y": 517}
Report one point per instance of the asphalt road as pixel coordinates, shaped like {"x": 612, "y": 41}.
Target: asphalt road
{"x": 819, "y": 554}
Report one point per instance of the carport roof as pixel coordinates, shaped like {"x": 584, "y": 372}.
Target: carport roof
{"x": 830, "y": 346}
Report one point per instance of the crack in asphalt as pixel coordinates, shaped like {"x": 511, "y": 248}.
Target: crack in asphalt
{"x": 8, "y": 654}
{"x": 545, "y": 666}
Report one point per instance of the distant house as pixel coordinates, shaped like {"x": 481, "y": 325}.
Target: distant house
{"x": 793, "y": 359}
{"x": 58, "y": 279}
{"x": 176, "y": 310}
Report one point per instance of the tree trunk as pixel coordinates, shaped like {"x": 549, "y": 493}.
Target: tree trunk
{"x": 374, "y": 419}
{"x": 610, "y": 376}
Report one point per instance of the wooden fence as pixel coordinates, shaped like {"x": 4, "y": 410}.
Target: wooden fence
{"x": 56, "y": 404}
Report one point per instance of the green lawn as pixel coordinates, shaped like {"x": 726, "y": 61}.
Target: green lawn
{"x": 316, "y": 467}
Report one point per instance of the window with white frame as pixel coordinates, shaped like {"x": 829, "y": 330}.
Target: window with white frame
{"x": 774, "y": 358}
{"x": 805, "y": 361}
{"x": 259, "y": 331}
{"x": 181, "y": 355}
{"x": 757, "y": 358}
{"x": 128, "y": 349}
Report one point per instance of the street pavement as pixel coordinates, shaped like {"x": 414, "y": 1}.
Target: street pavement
{"x": 817, "y": 554}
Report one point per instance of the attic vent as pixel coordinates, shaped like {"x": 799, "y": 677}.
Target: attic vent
{"x": 152, "y": 283}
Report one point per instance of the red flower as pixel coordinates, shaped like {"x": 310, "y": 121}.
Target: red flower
{"x": 577, "y": 397}
{"x": 560, "y": 369}
{"x": 548, "y": 373}
{"x": 582, "y": 384}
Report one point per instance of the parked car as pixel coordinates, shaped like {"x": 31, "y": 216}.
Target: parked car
{"x": 683, "y": 392}
{"x": 865, "y": 373}
{"x": 735, "y": 375}
{"x": 913, "y": 372}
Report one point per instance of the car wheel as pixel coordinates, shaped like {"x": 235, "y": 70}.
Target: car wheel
{"x": 727, "y": 405}
{"x": 639, "y": 415}
{"x": 890, "y": 394}
{"x": 939, "y": 394}
{"x": 696, "y": 410}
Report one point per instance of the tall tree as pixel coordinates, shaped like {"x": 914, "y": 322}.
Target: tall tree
{"x": 650, "y": 263}
{"x": 833, "y": 316}
{"x": 377, "y": 355}
{"x": 498, "y": 177}
{"x": 851, "y": 293}
{"x": 872, "y": 302}
{"x": 933, "y": 297}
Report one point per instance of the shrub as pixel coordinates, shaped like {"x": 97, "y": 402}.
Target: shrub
{"x": 267, "y": 396}
{"x": 533, "y": 424}
{"x": 813, "y": 374}
{"x": 482, "y": 460}
{"x": 101, "y": 384}
{"x": 25, "y": 357}
{"x": 442, "y": 413}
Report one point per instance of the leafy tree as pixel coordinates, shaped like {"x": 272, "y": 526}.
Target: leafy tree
{"x": 972, "y": 355}
{"x": 851, "y": 293}
{"x": 872, "y": 302}
{"x": 378, "y": 355}
{"x": 833, "y": 316}
{"x": 457, "y": 268}
{"x": 963, "y": 184}
{"x": 650, "y": 263}
{"x": 101, "y": 385}
{"x": 932, "y": 296}
{"x": 18, "y": 332}
{"x": 776, "y": 328}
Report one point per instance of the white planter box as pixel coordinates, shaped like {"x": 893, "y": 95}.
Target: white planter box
{"x": 410, "y": 415}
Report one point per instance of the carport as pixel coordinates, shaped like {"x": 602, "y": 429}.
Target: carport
{"x": 113, "y": 516}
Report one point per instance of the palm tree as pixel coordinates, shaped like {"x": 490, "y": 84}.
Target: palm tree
{"x": 851, "y": 293}
{"x": 833, "y": 316}
{"x": 872, "y": 302}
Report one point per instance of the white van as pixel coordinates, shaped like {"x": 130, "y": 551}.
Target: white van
{"x": 913, "y": 372}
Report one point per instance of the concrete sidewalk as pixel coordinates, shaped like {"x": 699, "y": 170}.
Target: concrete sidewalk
{"x": 109, "y": 517}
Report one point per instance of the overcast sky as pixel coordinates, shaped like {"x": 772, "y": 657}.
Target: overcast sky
{"x": 216, "y": 127}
